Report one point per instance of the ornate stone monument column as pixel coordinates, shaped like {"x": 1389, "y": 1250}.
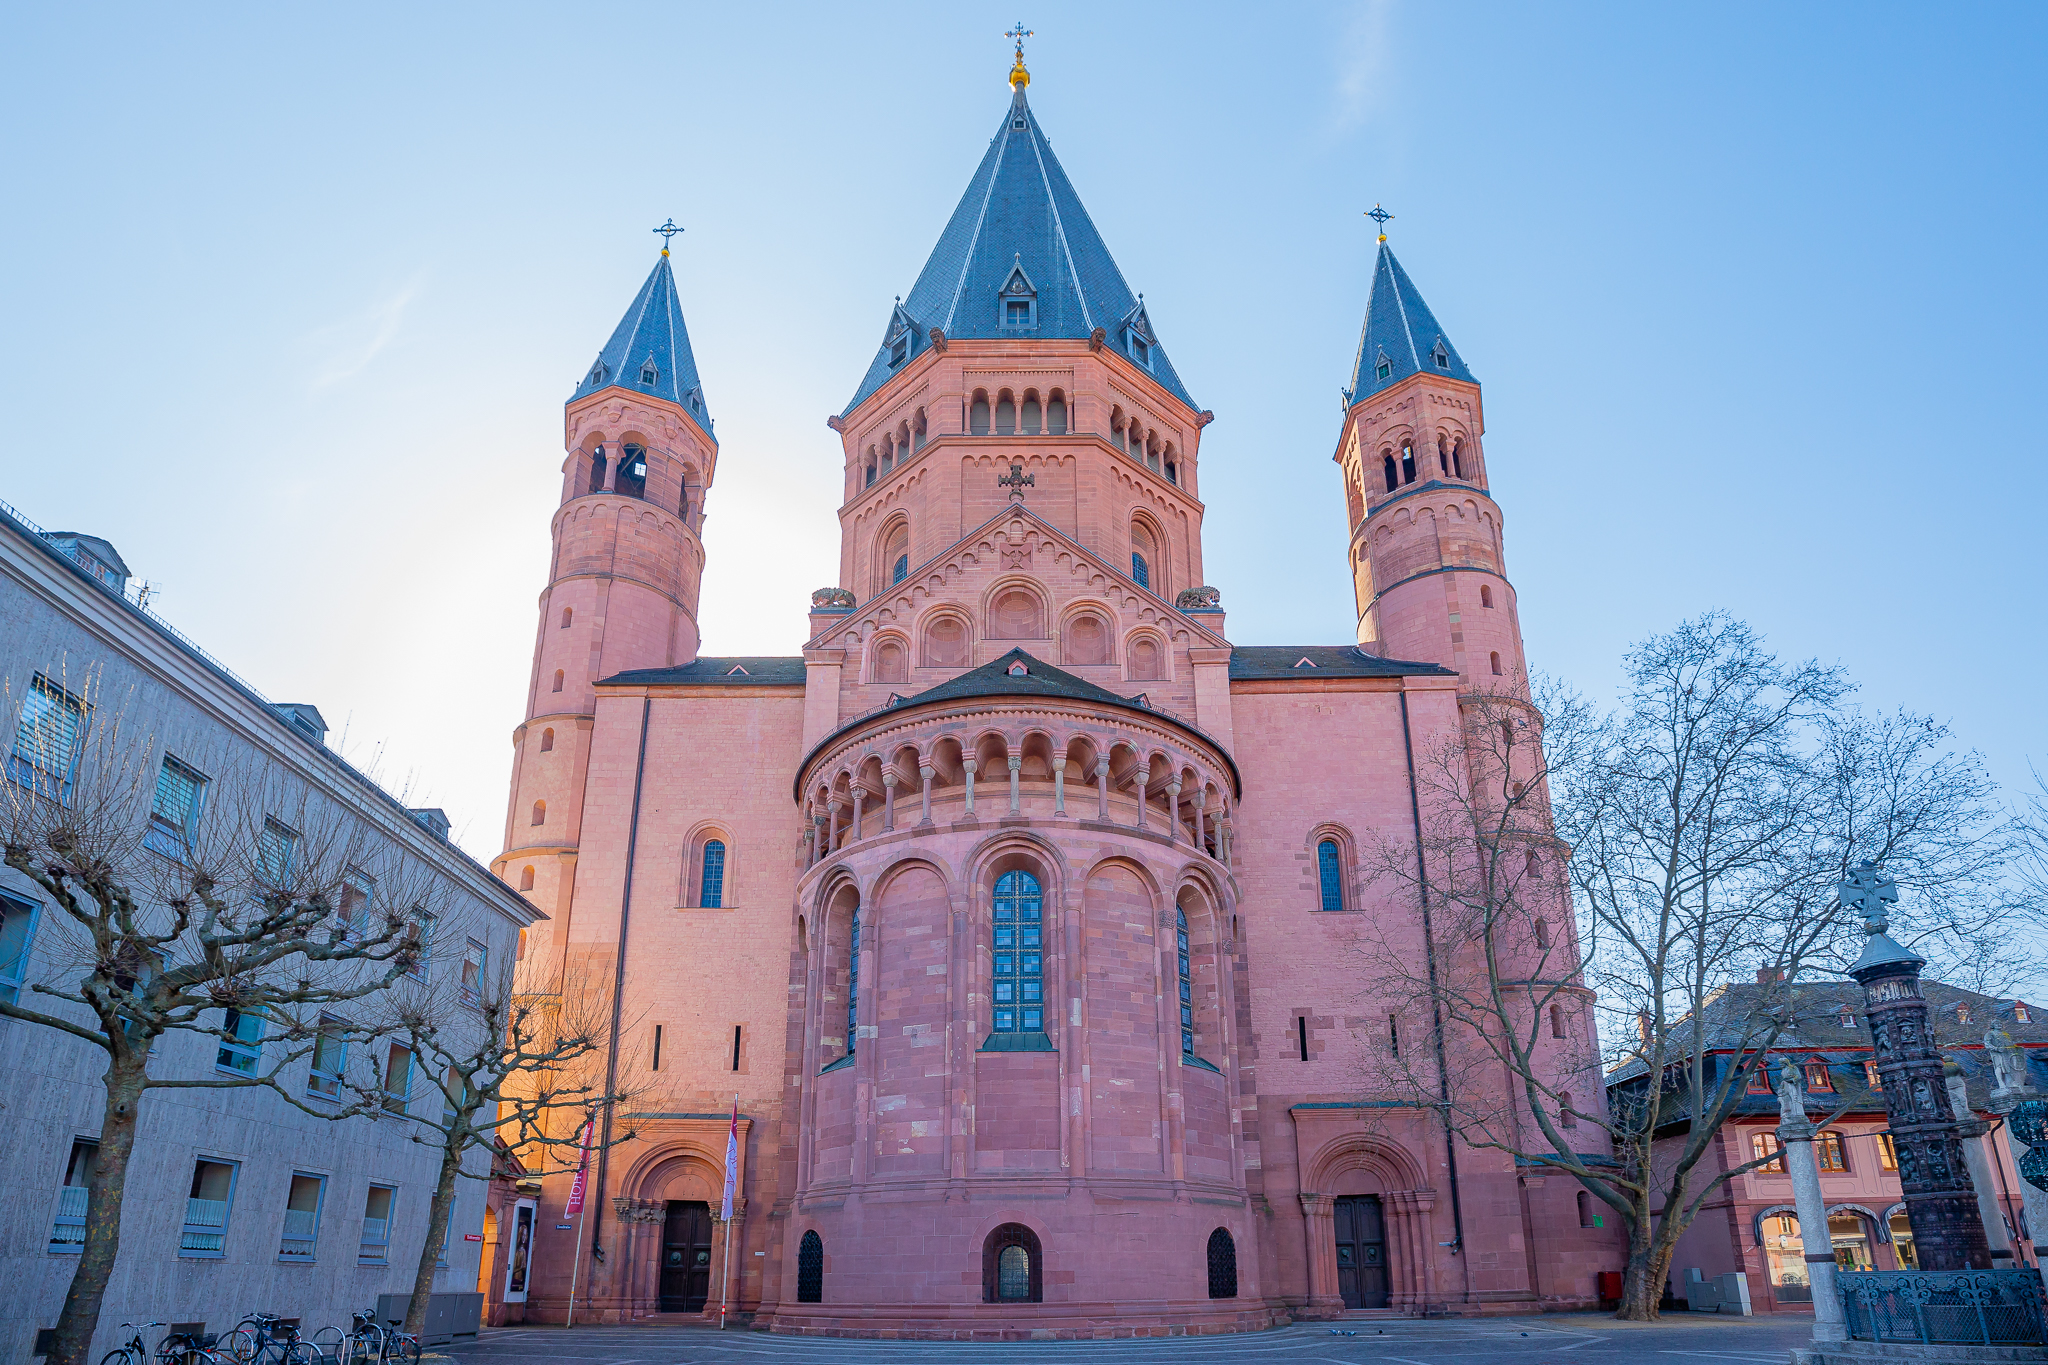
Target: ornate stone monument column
{"x": 1939, "y": 1201}
{"x": 1795, "y": 1135}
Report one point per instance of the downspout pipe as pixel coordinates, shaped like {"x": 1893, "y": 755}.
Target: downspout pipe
{"x": 1443, "y": 1072}
{"x": 611, "y": 1062}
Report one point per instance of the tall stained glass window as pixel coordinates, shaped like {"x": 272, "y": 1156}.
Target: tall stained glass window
{"x": 1187, "y": 983}
{"x": 1328, "y": 875}
{"x": 1019, "y": 955}
{"x": 852, "y": 978}
{"x": 711, "y": 888}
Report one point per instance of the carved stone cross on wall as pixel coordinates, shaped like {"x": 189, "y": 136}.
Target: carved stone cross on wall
{"x": 1017, "y": 481}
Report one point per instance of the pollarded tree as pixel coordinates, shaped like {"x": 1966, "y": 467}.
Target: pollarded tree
{"x": 238, "y": 927}
{"x": 1634, "y": 863}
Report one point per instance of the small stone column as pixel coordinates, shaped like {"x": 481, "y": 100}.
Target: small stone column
{"x": 2025, "y": 1111}
{"x": 924, "y": 776}
{"x": 1223, "y": 838}
{"x": 860, "y": 795}
{"x": 1979, "y": 1163}
{"x": 1173, "y": 810}
{"x": 889, "y": 799}
{"x": 1201, "y": 824}
{"x": 1059, "y": 787}
{"x": 1795, "y": 1135}
{"x": 969, "y": 764}
{"x": 1139, "y": 782}
{"x": 810, "y": 837}
{"x": 1102, "y": 788}
{"x": 1016, "y": 770}
{"x": 832, "y": 837}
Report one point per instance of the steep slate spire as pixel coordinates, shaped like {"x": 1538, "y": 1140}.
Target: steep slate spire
{"x": 1400, "y": 336}
{"x": 1020, "y": 215}
{"x": 652, "y": 331}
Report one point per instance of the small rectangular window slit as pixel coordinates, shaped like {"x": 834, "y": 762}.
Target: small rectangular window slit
{"x": 736, "y": 1047}
{"x": 655, "y": 1065}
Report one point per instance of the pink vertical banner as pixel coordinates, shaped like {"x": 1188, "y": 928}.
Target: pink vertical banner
{"x": 575, "y": 1205}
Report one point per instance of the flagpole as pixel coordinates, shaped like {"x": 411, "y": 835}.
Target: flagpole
{"x": 575, "y": 1206}
{"x": 575, "y": 1266}
{"x": 732, "y": 1142}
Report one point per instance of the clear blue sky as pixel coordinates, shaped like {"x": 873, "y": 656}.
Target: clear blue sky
{"x": 294, "y": 295}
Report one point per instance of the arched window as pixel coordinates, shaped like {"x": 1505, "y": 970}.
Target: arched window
{"x": 1056, "y": 414}
{"x": 1011, "y": 1266}
{"x": 568, "y": 615}
{"x": 892, "y": 664}
{"x": 977, "y": 415}
{"x": 1507, "y": 734}
{"x": 1034, "y": 418}
{"x": 852, "y": 977}
{"x": 1222, "y": 1265}
{"x": 1457, "y": 459}
{"x": 1146, "y": 662}
{"x": 1443, "y": 455}
{"x": 711, "y": 886}
{"x": 1557, "y": 1021}
{"x": 1015, "y": 616}
{"x": 547, "y": 741}
{"x": 1019, "y": 1000}
{"x": 597, "y": 467}
{"x": 1141, "y": 573}
{"x": 540, "y": 812}
{"x": 1586, "y": 1219}
{"x": 1485, "y": 595}
{"x": 526, "y": 879}
{"x": 1565, "y": 1117}
{"x": 632, "y": 477}
{"x": 870, "y": 480}
{"x": 558, "y": 680}
{"x": 810, "y": 1268}
{"x": 1006, "y": 414}
{"x": 900, "y": 570}
{"x": 917, "y": 431}
{"x": 1543, "y": 934}
{"x": 895, "y": 553}
{"x": 1495, "y": 657}
{"x": 1407, "y": 462}
{"x": 1329, "y": 874}
{"x": 1087, "y": 641}
{"x": 945, "y": 642}
{"x": 1187, "y": 983}
{"x": 1172, "y": 472}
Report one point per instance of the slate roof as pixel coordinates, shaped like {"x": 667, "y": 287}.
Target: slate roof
{"x": 1329, "y": 661}
{"x": 652, "y": 329}
{"x": 1019, "y": 211}
{"x": 751, "y": 670}
{"x": 1399, "y": 328}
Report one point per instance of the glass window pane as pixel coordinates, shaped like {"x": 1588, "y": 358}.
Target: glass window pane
{"x": 1018, "y": 976}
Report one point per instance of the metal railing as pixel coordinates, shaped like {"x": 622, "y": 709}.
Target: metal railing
{"x": 1942, "y": 1307}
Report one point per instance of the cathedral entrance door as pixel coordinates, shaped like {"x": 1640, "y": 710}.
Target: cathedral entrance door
{"x": 686, "y": 1257}
{"x": 1361, "y": 1252}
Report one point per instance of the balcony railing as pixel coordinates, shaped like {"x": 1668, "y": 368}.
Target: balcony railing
{"x": 1978, "y": 1307}
{"x": 296, "y": 1243}
{"x": 69, "y": 1232}
{"x": 201, "y": 1216}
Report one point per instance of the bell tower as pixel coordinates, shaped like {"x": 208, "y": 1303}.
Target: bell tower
{"x": 1427, "y": 563}
{"x": 624, "y": 576}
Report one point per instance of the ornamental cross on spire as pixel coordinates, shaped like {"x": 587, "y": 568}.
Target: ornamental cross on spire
{"x": 667, "y": 230}
{"x": 1017, "y": 482}
{"x": 1020, "y": 33}
{"x": 1380, "y": 216}
{"x": 1869, "y": 891}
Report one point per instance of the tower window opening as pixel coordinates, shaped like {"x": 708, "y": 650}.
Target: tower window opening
{"x": 1187, "y": 983}
{"x": 1443, "y": 456}
{"x": 540, "y": 812}
{"x": 1017, "y": 313}
{"x": 1495, "y": 658}
{"x": 711, "y": 882}
{"x": 632, "y": 472}
{"x": 736, "y": 1028}
{"x": 597, "y": 471}
{"x": 810, "y": 1269}
{"x": 852, "y": 977}
{"x": 1222, "y": 1260}
{"x": 1301, "y": 1034}
{"x": 1056, "y": 415}
{"x": 1006, "y": 415}
{"x": 1141, "y": 352}
{"x": 899, "y": 350}
{"x": 1407, "y": 462}
{"x": 1543, "y": 934}
{"x": 1329, "y": 875}
{"x": 1172, "y": 473}
{"x": 526, "y": 878}
{"x": 1442, "y": 356}
{"x": 568, "y": 615}
{"x": 1457, "y": 459}
{"x": 917, "y": 432}
{"x": 650, "y": 373}
{"x": 547, "y": 741}
{"x": 1140, "y": 573}
{"x": 1557, "y": 1021}
{"x": 977, "y": 416}
{"x": 558, "y": 680}
{"x": 870, "y": 481}
{"x": 1034, "y": 417}
{"x": 900, "y": 570}
{"x": 1485, "y": 595}
{"x": 1387, "y": 467}
{"x": 1394, "y": 1035}
{"x": 1019, "y": 978}
{"x": 1384, "y": 369}
{"x": 1566, "y": 1117}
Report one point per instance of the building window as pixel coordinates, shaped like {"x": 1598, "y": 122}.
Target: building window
{"x": 67, "y": 1234}
{"x": 1542, "y": 926}
{"x": 1828, "y": 1152}
{"x": 1902, "y": 1241}
{"x": 2020, "y": 1013}
{"x": 174, "y": 809}
{"x": 1817, "y": 1077}
{"x": 1222, "y": 1265}
{"x": 376, "y": 1242}
{"x": 899, "y": 350}
{"x": 1140, "y": 573}
{"x": 1588, "y": 1218}
{"x": 568, "y": 615}
{"x": 330, "y": 1058}
{"x": 650, "y": 373}
{"x": 423, "y": 945}
{"x": 547, "y": 741}
{"x": 1872, "y": 1077}
{"x": 398, "y": 1078}
{"x": 241, "y": 1042}
{"x": 17, "y": 934}
{"x": 558, "y": 680}
{"x": 810, "y": 1269}
{"x": 474, "y": 957}
{"x": 1566, "y": 1116}
{"x": 631, "y": 478}
{"x": 540, "y": 812}
{"x": 1766, "y": 1145}
{"x": 526, "y": 878}
{"x": 1017, "y": 312}
{"x": 1407, "y": 462}
{"x": 900, "y": 570}
{"x": 1887, "y": 1152}
{"x": 1494, "y": 659}
{"x": 1557, "y": 1021}
{"x": 277, "y": 850}
{"x": 1485, "y": 595}
{"x": 1301, "y": 1035}
{"x": 1019, "y": 955}
{"x": 301, "y": 1217}
{"x": 47, "y": 739}
{"x": 1011, "y": 1269}
{"x": 1384, "y": 368}
{"x": 1187, "y": 983}
{"x": 1056, "y": 415}
{"x": 1329, "y": 874}
{"x": 1441, "y": 356}
{"x": 206, "y": 1210}
{"x": 852, "y": 978}
{"x": 977, "y": 416}
{"x": 711, "y": 888}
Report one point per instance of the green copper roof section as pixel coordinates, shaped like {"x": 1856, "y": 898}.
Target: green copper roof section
{"x": 1020, "y": 234}
{"x": 649, "y": 351}
{"x": 1401, "y": 336}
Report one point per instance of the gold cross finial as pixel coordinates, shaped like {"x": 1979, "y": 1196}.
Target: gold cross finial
{"x": 667, "y": 230}
{"x": 1019, "y": 77}
{"x": 1380, "y": 216}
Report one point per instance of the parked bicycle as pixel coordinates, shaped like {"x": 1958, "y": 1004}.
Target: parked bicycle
{"x": 370, "y": 1342}
{"x": 172, "y": 1350}
{"x": 266, "y": 1339}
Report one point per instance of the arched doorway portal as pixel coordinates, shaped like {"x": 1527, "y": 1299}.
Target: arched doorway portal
{"x": 1361, "y": 1226}
{"x": 686, "y": 1256}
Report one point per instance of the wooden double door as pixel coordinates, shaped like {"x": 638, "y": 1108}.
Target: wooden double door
{"x": 1362, "y": 1252}
{"x": 686, "y": 1257}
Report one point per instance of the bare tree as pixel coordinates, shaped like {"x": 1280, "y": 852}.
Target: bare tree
{"x": 238, "y": 927}
{"x": 1629, "y": 865}
{"x": 508, "y": 1063}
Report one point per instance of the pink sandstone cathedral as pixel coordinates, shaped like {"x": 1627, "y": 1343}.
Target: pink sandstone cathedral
{"x": 1014, "y": 907}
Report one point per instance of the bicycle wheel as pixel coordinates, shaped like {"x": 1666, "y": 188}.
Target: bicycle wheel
{"x": 238, "y": 1346}
{"x": 120, "y": 1357}
{"x": 403, "y": 1348}
{"x": 297, "y": 1353}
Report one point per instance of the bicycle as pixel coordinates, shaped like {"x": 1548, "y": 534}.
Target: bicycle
{"x": 137, "y": 1351}
{"x": 272, "y": 1342}
{"x": 371, "y": 1343}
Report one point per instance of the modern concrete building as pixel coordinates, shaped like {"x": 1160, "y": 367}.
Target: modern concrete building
{"x": 235, "y": 1200}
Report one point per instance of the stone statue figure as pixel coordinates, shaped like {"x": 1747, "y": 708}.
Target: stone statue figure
{"x": 1791, "y": 1088}
{"x": 2008, "y": 1063}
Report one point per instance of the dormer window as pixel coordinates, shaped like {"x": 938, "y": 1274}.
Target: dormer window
{"x": 1018, "y": 300}
{"x": 597, "y": 375}
{"x": 902, "y": 335}
{"x": 899, "y": 350}
{"x": 1139, "y": 342}
{"x": 1384, "y": 368}
{"x": 1441, "y": 355}
{"x": 1018, "y": 670}
{"x": 1141, "y": 351}
{"x": 650, "y": 373}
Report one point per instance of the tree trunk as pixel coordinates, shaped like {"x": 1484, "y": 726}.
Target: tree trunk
{"x": 80, "y": 1317}
{"x": 437, "y": 1228}
{"x": 1649, "y": 1263}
